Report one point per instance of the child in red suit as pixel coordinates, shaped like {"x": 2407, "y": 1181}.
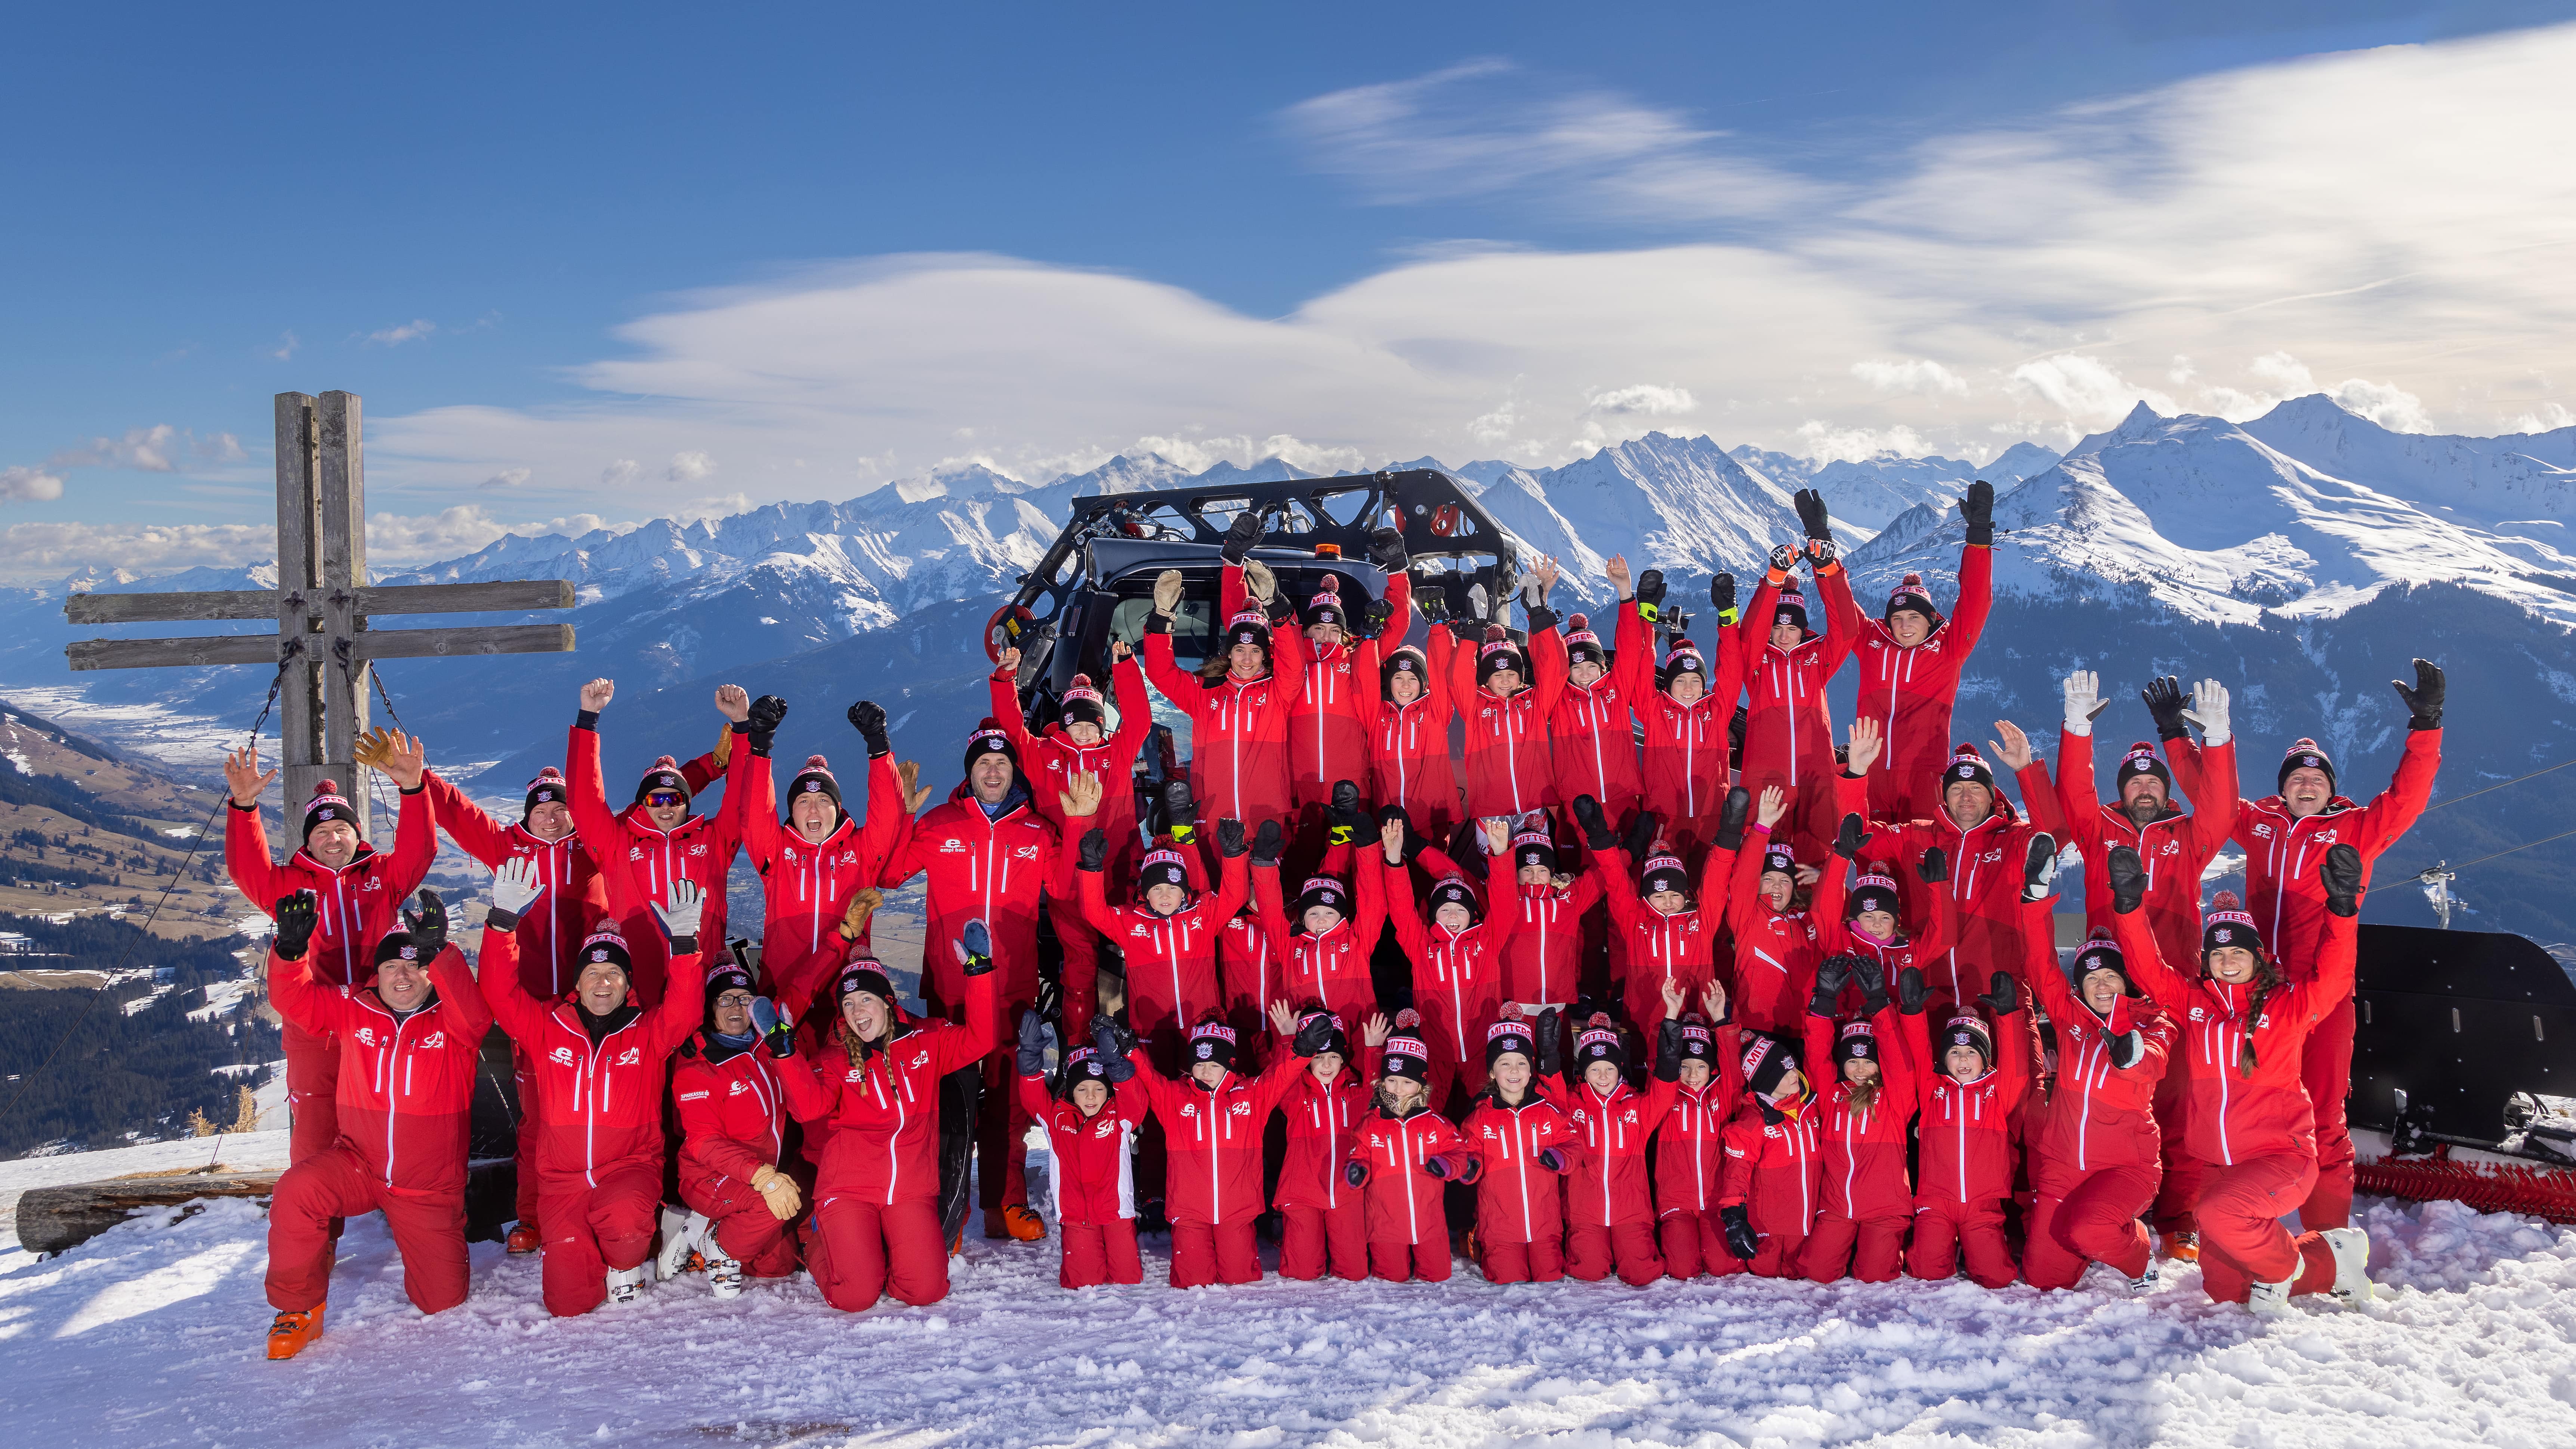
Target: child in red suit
{"x": 1527, "y": 1146}
{"x": 1404, "y": 1152}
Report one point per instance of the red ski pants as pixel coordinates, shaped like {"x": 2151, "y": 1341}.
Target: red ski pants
{"x": 1220, "y": 1253}
{"x": 2088, "y": 1217}
{"x": 1868, "y": 1251}
{"x": 2184, "y": 1174}
{"x": 1945, "y": 1232}
{"x": 745, "y": 1228}
{"x": 859, "y": 1251}
{"x": 1694, "y": 1242}
{"x": 1591, "y": 1251}
{"x": 594, "y": 1229}
{"x": 428, "y": 1230}
{"x": 1398, "y": 1261}
{"x": 1096, "y": 1253}
{"x": 312, "y": 1092}
{"x": 2242, "y": 1241}
{"x": 1310, "y": 1237}
{"x": 1539, "y": 1262}
{"x": 2326, "y": 1070}
{"x": 1002, "y": 1130}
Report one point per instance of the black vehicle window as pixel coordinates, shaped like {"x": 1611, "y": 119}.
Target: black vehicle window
{"x": 1193, "y": 627}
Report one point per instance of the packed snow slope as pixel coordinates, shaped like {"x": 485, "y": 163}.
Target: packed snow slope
{"x": 152, "y": 1335}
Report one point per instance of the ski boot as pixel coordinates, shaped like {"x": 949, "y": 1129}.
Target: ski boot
{"x": 627, "y": 1285}
{"x": 683, "y": 1235}
{"x": 724, "y": 1274}
{"x": 290, "y": 1333}
{"x": 2183, "y": 1246}
{"x": 2352, "y": 1263}
{"x": 2144, "y": 1283}
{"x": 2271, "y": 1300}
{"x": 524, "y": 1238}
{"x": 1022, "y": 1224}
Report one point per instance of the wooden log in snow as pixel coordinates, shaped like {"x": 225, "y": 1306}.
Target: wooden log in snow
{"x": 52, "y": 1219}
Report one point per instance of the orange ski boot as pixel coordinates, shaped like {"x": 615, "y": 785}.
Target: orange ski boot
{"x": 2182, "y": 1247}
{"x": 1023, "y": 1224}
{"x": 289, "y": 1334}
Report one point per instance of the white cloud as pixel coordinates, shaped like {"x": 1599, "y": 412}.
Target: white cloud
{"x": 2289, "y": 373}
{"x": 286, "y": 345}
{"x": 30, "y": 551}
{"x": 2385, "y": 403}
{"x": 620, "y": 474}
{"x": 1645, "y": 399}
{"x": 1912, "y": 374}
{"x": 2547, "y": 418}
{"x": 20, "y": 484}
{"x": 2085, "y": 388}
{"x": 157, "y": 449}
{"x": 509, "y": 478}
{"x": 691, "y": 468}
{"x": 721, "y": 505}
{"x": 417, "y": 327}
{"x": 1828, "y": 444}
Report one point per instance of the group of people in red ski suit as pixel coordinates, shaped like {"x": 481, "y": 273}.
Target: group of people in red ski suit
{"x": 1691, "y": 983}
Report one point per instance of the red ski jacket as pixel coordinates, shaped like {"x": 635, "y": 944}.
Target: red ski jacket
{"x": 1543, "y": 956}
{"x": 551, "y": 933}
{"x": 1457, "y": 975}
{"x": 2233, "y": 1113}
{"x": 1910, "y": 691}
{"x": 1774, "y": 1166}
{"x": 406, "y": 1093}
{"x": 1775, "y": 951}
{"x": 1409, "y": 744}
{"x": 1612, "y": 1188}
{"x": 2096, "y": 1114}
{"x": 1986, "y": 864}
{"x": 1679, "y": 947}
{"x": 1402, "y": 1196}
{"x": 1213, "y": 1174}
{"x": 1238, "y": 728}
{"x": 733, "y": 1115}
{"x": 1966, "y": 1132}
{"x": 1251, "y": 964}
{"x": 1590, "y": 736}
{"x": 1328, "y": 722}
{"x": 599, "y": 1103}
{"x": 1928, "y": 953}
{"x": 1690, "y": 1143}
{"x": 1323, "y": 1122}
{"x": 806, "y": 885}
{"x": 882, "y": 1112}
{"x": 1863, "y": 1168}
{"x": 1048, "y": 760}
{"x": 1171, "y": 960}
{"x": 1785, "y": 726}
{"x": 1330, "y": 970}
{"x": 638, "y": 860}
{"x": 980, "y": 869}
{"x": 1518, "y": 1200}
{"x": 1686, "y": 773}
{"x": 358, "y": 903}
{"x": 1508, "y": 765}
{"x": 2176, "y": 847}
{"x": 1092, "y": 1171}
{"x": 2282, "y": 892}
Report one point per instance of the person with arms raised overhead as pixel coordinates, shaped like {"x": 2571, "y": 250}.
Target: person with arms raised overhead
{"x": 1684, "y": 702}
{"x": 1528, "y": 1147}
{"x": 357, "y": 891}
{"x": 1090, "y": 1129}
{"x": 1403, "y": 1155}
{"x": 1456, "y": 954}
{"x": 1239, "y": 702}
{"x": 1910, "y": 661}
{"x": 1866, "y": 1097}
{"x": 1506, "y": 694}
{"x": 406, "y": 1098}
{"x": 1610, "y": 1204}
{"x": 1168, "y": 934}
{"x": 602, "y": 1063}
{"x": 1698, "y": 1054}
{"x": 1788, "y": 739}
{"x": 818, "y": 857}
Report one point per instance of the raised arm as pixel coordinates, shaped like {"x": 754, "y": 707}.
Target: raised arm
{"x": 482, "y": 838}
{"x": 1135, "y": 717}
{"x": 1396, "y": 881}
{"x": 601, "y": 836}
{"x": 454, "y": 982}
{"x": 496, "y": 972}
{"x": 1633, "y": 672}
{"x": 1976, "y": 598}
{"x": 1843, "y": 619}
{"x": 1547, "y": 670}
{"x": 1177, "y": 684}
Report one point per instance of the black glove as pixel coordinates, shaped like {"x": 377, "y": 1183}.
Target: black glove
{"x": 1912, "y": 992}
{"x": 1241, "y": 537}
{"x": 1735, "y": 735}
{"x": 2165, "y": 701}
{"x": 1345, "y": 813}
{"x": 2126, "y": 1049}
{"x": 1596, "y": 826}
{"x": 766, "y": 712}
{"x": 2424, "y": 701}
{"x": 1721, "y": 596}
{"x": 1355, "y": 1172}
{"x": 1230, "y": 839}
{"x": 975, "y": 949}
{"x": 1668, "y": 1050}
{"x": 1466, "y": 628}
{"x": 1641, "y": 836}
{"x": 297, "y": 920}
{"x": 1313, "y": 1036}
{"x": 1811, "y": 514}
{"x": 1386, "y": 550}
{"x": 777, "y": 1033}
{"x": 2002, "y": 999}
{"x": 2039, "y": 867}
{"x": 1549, "y": 1032}
{"x": 1741, "y": 1240}
{"x": 869, "y": 718}
{"x": 1265, "y": 844}
{"x": 1552, "y": 1158}
{"x": 1375, "y": 618}
{"x": 1871, "y": 973}
{"x": 1784, "y": 557}
{"x": 1731, "y": 817}
{"x": 1180, "y": 812}
{"x": 2128, "y": 877}
{"x": 1934, "y": 867}
{"x": 1111, "y": 1038}
{"x": 1650, "y": 594}
{"x": 2340, "y": 872}
{"x": 1979, "y": 509}
{"x": 1036, "y": 1037}
{"x": 1540, "y": 618}
{"x": 1831, "y": 973}
{"x": 1094, "y": 850}
{"x": 428, "y": 925}
{"x": 1849, "y": 839}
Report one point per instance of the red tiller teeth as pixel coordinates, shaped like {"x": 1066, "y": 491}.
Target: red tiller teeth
{"x": 2542, "y": 1192}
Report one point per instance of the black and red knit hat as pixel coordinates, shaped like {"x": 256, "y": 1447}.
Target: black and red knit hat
{"x": 1968, "y": 765}
{"x": 1326, "y": 606}
{"x": 1453, "y": 890}
{"x": 1406, "y": 660}
{"x": 1698, "y": 1042}
{"x": 2101, "y": 953}
{"x": 1081, "y": 1065}
{"x": 2227, "y": 924}
{"x": 1510, "y": 1033}
{"x": 2140, "y": 760}
{"x": 1598, "y": 1041}
{"x": 1248, "y": 626}
{"x": 1499, "y": 653}
{"x": 1322, "y": 890}
{"x": 1682, "y": 658}
{"x": 1777, "y": 860}
{"x": 988, "y": 739}
{"x": 1337, "y": 1041}
{"x": 606, "y": 946}
{"x": 863, "y": 974}
{"x": 1082, "y": 703}
{"x": 1766, "y": 1060}
{"x": 548, "y": 788}
{"x": 1664, "y": 872}
{"x": 327, "y": 804}
{"x": 1533, "y": 846}
{"x": 1856, "y": 1041}
{"x": 1967, "y": 1029}
{"x": 1581, "y": 643}
{"x": 2306, "y": 755}
{"x": 1790, "y": 607}
{"x": 1211, "y": 1041}
{"x": 1909, "y": 593}
{"x": 724, "y": 976}
{"x": 816, "y": 778}
{"x": 1162, "y": 867}
{"x": 1875, "y": 890}
{"x": 664, "y": 775}
{"x": 1405, "y": 1053}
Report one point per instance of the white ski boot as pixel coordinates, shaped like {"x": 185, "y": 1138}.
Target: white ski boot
{"x": 2352, "y": 1263}
{"x": 626, "y": 1285}
{"x": 724, "y": 1274}
{"x": 682, "y": 1233}
{"x": 2144, "y": 1283}
{"x": 2271, "y": 1300}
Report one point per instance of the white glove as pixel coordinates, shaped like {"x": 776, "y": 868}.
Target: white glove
{"x": 2209, "y": 711}
{"x": 1167, "y": 591}
{"x": 515, "y": 886}
{"x": 680, "y": 914}
{"x": 2083, "y": 701}
{"x": 1259, "y": 582}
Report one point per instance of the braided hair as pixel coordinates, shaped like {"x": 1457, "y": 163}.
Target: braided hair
{"x": 2267, "y": 979}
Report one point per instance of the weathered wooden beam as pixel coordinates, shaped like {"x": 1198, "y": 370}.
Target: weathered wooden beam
{"x": 342, "y": 487}
{"x": 504, "y": 596}
{"x": 436, "y": 643}
{"x": 175, "y": 653}
{"x": 299, "y": 574}
{"x": 53, "y": 1219}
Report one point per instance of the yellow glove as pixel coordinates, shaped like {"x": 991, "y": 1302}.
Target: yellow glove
{"x": 779, "y": 1191}
{"x": 863, "y": 904}
{"x": 724, "y": 745}
{"x": 372, "y": 748}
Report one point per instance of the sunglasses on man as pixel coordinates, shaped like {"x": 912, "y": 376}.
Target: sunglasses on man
{"x": 665, "y": 798}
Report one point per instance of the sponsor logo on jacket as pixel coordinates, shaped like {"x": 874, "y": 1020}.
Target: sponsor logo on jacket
{"x": 560, "y": 1056}
{"x": 952, "y": 846}
{"x": 366, "y": 1035}
{"x": 735, "y": 1088}
{"x": 629, "y": 1057}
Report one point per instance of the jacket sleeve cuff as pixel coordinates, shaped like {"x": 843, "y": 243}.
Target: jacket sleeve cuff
{"x": 586, "y": 720}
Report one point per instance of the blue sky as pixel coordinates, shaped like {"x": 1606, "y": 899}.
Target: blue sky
{"x": 598, "y": 264}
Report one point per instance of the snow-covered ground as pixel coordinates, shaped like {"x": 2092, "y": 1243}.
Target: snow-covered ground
{"x": 151, "y": 1334}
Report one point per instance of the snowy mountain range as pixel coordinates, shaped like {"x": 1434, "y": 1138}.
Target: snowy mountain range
{"x": 2303, "y": 555}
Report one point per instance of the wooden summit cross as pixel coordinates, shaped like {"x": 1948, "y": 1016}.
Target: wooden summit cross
{"x": 322, "y": 603}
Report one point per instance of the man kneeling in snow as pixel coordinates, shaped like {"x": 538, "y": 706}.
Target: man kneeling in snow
{"x": 408, "y": 1046}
